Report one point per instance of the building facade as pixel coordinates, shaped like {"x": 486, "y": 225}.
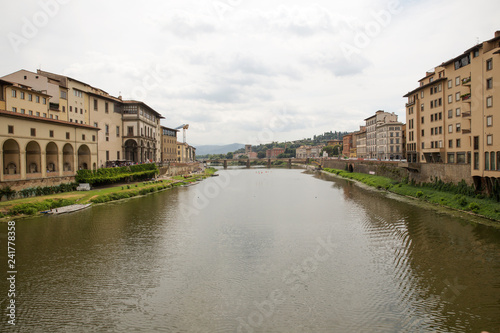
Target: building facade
{"x": 308, "y": 152}
{"x": 381, "y": 117}
{"x": 35, "y": 147}
{"x": 359, "y": 139}
{"x": 168, "y": 144}
{"x": 347, "y": 145}
{"x": 274, "y": 152}
{"x": 453, "y": 116}
{"x": 390, "y": 141}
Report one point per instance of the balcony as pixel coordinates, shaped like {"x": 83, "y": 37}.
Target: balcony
{"x": 466, "y": 81}
{"x": 410, "y": 104}
{"x": 54, "y": 106}
{"x": 466, "y": 114}
{"x": 466, "y": 130}
{"x": 466, "y": 97}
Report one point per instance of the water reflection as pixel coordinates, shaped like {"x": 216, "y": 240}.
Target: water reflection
{"x": 278, "y": 251}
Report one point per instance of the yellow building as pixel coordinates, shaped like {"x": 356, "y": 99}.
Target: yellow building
{"x": 168, "y": 144}
{"x": 36, "y": 147}
{"x": 185, "y": 153}
{"x": 451, "y": 115}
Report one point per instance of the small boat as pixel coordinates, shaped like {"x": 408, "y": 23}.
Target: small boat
{"x": 67, "y": 209}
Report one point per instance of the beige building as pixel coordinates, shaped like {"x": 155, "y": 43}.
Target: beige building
{"x": 35, "y": 147}
{"x": 451, "y": 115}
{"x": 168, "y": 144}
{"x": 142, "y": 135}
{"x": 185, "y": 153}
{"x": 308, "y": 152}
{"x": 390, "y": 141}
{"x": 372, "y": 123}
{"x": 359, "y": 142}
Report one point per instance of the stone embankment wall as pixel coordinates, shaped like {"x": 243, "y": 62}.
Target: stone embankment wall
{"x": 179, "y": 169}
{"x": 419, "y": 172}
{"x": 18, "y": 185}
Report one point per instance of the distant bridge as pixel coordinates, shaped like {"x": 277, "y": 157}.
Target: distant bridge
{"x": 247, "y": 161}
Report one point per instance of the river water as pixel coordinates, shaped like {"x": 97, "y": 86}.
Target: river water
{"x": 256, "y": 250}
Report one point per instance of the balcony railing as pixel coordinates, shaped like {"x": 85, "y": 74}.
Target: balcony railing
{"x": 410, "y": 103}
{"x": 466, "y": 97}
{"x": 466, "y": 81}
{"x": 466, "y": 130}
{"x": 466, "y": 114}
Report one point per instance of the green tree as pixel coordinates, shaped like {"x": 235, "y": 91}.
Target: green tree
{"x": 229, "y": 156}
{"x": 261, "y": 154}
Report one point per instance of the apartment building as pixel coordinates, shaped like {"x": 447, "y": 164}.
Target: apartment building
{"x": 308, "y": 152}
{"x": 371, "y": 123}
{"x": 274, "y": 152}
{"x": 347, "y": 144}
{"x": 185, "y": 153}
{"x": 451, "y": 115}
{"x": 359, "y": 141}
{"x": 168, "y": 144}
{"x": 390, "y": 141}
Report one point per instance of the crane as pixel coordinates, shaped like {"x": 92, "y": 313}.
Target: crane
{"x": 184, "y": 128}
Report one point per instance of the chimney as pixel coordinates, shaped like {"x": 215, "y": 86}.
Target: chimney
{"x": 497, "y": 33}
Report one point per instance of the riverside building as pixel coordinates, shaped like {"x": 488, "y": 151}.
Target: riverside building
{"x": 453, "y": 115}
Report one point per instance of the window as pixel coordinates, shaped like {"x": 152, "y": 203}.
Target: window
{"x": 432, "y": 116}
{"x": 450, "y": 143}
{"x": 450, "y": 113}
{"x": 439, "y": 85}
{"x": 45, "y": 115}
{"x": 451, "y": 158}
{"x": 458, "y": 143}
{"x": 96, "y": 125}
{"x": 14, "y": 109}
{"x": 83, "y": 137}
{"x": 95, "y": 104}
{"x": 423, "y": 133}
{"x": 81, "y": 111}
{"x": 70, "y": 108}
{"x": 38, "y": 114}
{"x": 422, "y": 107}
{"x": 106, "y": 107}
{"x": 489, "y": 101}
{"x": 51, "y": 133}
{"x": 489, "y": 83}
{"x": 422, "y": 94}
{"x": 106, "y": 129}
{"x": 30, "y": 97}
{"x": 30, "y": 112}
{"x": 457, "y": 96}
{"x": 457, "y": 112}
{"x": 64, "y": 95}
{"x": 492, "y": 160}
{"x": 57, "y": 117}
{"x": 117, "y": 155}
{"x": 449, "y": 84}
{"x": 51, "y": 116}
{"x": 44, "y": 100}
{"x": 93, "y": 138}
{"x": 489, "y": 64}
{"x": 22, "y": 95}
{"x": 489, "y": 121}
{"x": 130, "y": 130}
{"x": 33, "y": 132}
{"x": 11, "y": 129}
{"x": 64, "y": 108}
{"x": 476, "y": 143}
{"x": 486, "y": 161}
{"x": 461, "y": 158}
{"x": 67, "y": 135}
{"x": 432, "y": 105}
{"x": 422, "y": 120}
{"x": 440, "y": 114}
{"x": 450, "y": 128}
{"x": 78, "y": 93}
{"x": 107, "y": 155}
{"x": 432, "y": 131}
{"x": 450, "y": 98}
{"x": 458, "y": 127}
{"x": 107, "y": 138}
{"x": 476, "y": 53}
{"x": 457, "y": 81}
{"x": 14, "y": 93}
{"x": 117, "y": 131}
{"x": 423, "y": 145}
{"x": 489, "y": 139}
{"x": 476, "y": 161}
{"x": 37, "y": 99}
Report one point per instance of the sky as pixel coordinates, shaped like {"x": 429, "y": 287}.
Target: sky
{"x": 246, "y": 71}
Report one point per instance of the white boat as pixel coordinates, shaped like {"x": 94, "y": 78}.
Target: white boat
{"x": 68, "y": 209}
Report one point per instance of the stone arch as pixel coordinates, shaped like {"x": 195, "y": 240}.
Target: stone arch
{"x": 11, "y": 157}
{"x": 33, "y": 157}
{"x": 351, "y": 168}
{"x": 83, "y": 157}
{"x": 52, "y": 157}
{"x": 131, "y": 150}
{"x": 68, "y": 157}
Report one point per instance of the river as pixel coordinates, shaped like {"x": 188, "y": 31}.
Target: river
{"x": 255, "y": 250}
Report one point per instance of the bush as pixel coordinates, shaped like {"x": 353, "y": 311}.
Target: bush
{"x": 461, "y": 200}
{"x": 114, "y": 175}
{"x": 419, "y": 194}
{"x": 474, "y": 207}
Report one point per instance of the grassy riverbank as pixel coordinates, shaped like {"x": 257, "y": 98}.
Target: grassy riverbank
{"x": 478, "y": 205}
{"x": 33, "y": 206}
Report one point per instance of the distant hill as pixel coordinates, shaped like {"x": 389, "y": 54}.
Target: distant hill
{"x": 215, "y": 149}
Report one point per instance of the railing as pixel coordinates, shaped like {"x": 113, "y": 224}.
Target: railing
{"x": 410, "y": 103}
{"x": 466, "y": 114}
{"x": 466, "y": 130}
{"x": 466, "y": 80}
{"x": 466, "y": 97}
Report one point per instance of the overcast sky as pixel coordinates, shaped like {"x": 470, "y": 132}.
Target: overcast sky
{"x": 247, "y": 71}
